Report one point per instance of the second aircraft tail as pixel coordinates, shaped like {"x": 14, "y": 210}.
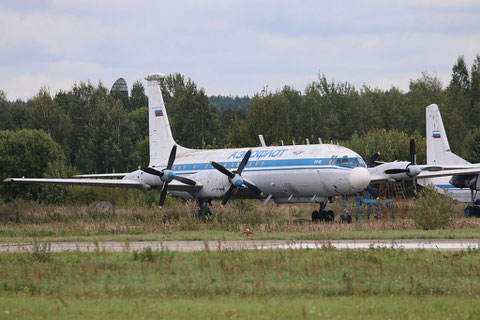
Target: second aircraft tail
{"x": 438, "y": 148}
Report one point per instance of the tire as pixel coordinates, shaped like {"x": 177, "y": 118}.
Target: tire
{"x": 315, "y": 216}
{"x": 330, "y": 216}
{"x": 476, "y": 211}
{"x": 349, "y": 219}
{"x": 322, "y": 215}
{"x": 469, "y": 211}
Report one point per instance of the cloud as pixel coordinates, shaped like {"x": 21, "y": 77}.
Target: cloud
{"x": 233, "y": 47}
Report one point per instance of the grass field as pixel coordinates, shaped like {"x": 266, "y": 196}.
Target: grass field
{"x": 374, "y": 283}
{"x": 24, "y": 221}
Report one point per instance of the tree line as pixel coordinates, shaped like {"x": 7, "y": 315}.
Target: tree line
{"x": 94, "y": 130}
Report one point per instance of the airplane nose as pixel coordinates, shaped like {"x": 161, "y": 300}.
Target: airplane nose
{"x": 359, "y": 178}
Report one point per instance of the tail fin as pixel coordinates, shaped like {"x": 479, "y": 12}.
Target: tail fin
{"x": 160, "y": 133}
{"x": 438, "y": 149}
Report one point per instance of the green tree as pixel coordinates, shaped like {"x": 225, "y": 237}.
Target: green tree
{"x": 195, "y": 121}
{"x": 26, "y": 153}
{"x": 471, "y": 146}
{"x": 460, "y": 79}
{"x": 109, "y": 147}
{"x": 138, "y": 119}
{"x": 48, "y": 116}
{"x": 392, "y": 145}
{"x": 138, "y": 98}
{"x": 15, "y": 118}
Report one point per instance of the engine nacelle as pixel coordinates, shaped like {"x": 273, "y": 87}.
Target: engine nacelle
{"x": 470, "y": 181}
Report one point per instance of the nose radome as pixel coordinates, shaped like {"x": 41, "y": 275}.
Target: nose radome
{"x": 359, "y": 178}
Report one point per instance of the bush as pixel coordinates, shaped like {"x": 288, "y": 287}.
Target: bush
{"x": 432, "y": 210}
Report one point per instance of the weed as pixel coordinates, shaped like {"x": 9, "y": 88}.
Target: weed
{"x": 432, "y": 210}
{"x": 41, "y": 251}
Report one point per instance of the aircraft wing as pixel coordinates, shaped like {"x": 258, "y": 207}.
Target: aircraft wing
{"x": 444, "y": 173}
{"x": 375, "y": 178}
{"x": 101, "y": 175}
{"x": 85, "y": 182}
{"x": 118, "y": 183}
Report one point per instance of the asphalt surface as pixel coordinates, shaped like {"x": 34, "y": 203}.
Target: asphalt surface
{"x": 129, "y": 246}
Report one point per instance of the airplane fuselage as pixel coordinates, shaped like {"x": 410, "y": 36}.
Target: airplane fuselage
{"x": 291, "y": 174}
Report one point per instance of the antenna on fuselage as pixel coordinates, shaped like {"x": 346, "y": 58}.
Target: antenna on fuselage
{"x": 293, "y": 141}
{"x": 281, "y": 141}
{"x": 262, "y": 140}
{"x": 320, "y": 140}
{"x": 308, "y": 141}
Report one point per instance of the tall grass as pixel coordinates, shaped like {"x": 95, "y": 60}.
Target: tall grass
{"x": 34, "y": 220}
{"x": 323, "y": 272}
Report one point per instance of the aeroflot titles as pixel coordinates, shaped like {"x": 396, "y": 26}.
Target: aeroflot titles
{"x": 259, "y": 154}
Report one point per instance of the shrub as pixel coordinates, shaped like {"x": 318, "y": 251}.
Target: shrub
{"x": 432, "y": 210}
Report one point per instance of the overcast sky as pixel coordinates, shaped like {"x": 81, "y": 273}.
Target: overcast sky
{"x": 232, "y": 47}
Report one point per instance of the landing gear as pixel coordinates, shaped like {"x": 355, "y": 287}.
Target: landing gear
{"x": 473, "y": 210}
{"x": 204, "y": 210}
{"x": 345, "y": 217}
{"x": 322, "y": 215}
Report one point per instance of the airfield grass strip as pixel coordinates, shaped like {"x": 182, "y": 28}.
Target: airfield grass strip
{"x": 241, "y": 307}
{"x": 161, "y": 274}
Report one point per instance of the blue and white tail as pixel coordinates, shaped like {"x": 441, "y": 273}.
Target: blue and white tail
{"x": 160, "y": 134}
{"x": 438, "y": 148}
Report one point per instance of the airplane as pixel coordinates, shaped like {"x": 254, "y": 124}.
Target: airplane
{"x": 313, "y": 173}
{"x": 463, "y": 188}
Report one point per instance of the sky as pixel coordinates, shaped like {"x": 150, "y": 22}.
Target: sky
{"x": 232, "y": 47}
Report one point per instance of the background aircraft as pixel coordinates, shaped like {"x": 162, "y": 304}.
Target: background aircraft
{"x": 464, "y": 187}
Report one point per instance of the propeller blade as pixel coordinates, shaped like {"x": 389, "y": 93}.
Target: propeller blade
{"x": 185, "y": 180}
{"x": 372, "y": 159}
{"x": 152, "y": 171}
{"x": 372, "y": 191}
{"x": 413, "y": 152}
{"x": 433, "y": 168}
{"x": 395, "y": 171}
{"x": 222, "y": 169}
{"x": 227, "y": 195}
{"x": 171, "y": 159}
{"x": 244, "y": 161}
{"x": 163, "y": 195}
{"x": 253, "y": 187}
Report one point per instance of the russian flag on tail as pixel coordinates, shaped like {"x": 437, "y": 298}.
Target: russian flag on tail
{"x": 158, "y": 113}
{"x": 436, "y": 134}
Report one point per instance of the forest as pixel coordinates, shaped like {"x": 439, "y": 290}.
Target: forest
{"x": 89, "y": 129}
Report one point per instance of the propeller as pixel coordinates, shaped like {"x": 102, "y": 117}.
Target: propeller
{"x": 167, "y": 175}
{"x": 372, "y": 159}
{"x": 369, "y": 163}
{"x": 235, "y": 177}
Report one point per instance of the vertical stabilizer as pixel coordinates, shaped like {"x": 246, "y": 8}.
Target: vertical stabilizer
{"x": 438, "y": 148}
{"x": 160, "y": 134}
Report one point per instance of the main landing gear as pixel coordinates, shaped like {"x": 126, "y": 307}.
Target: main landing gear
{"x": 203, "y": 205}
{"x": 322, "y": 215}
{"x": 473, "y": 210}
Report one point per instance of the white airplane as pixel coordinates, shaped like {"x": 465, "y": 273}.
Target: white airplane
{"x": 464, "y": 187}
{"x": 287, "y": 174}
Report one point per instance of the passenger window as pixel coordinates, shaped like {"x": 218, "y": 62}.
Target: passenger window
{"x": 345, "y": 160}
{"x": 338, "y": 161}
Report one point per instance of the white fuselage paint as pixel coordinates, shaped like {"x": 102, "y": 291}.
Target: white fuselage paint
{"x": 303, "y": 173}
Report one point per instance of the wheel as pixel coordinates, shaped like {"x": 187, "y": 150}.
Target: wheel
{"x": 476, "y": 211}
{"x": 330, "y": 216}
{"x": 315, "y": 216}
{"x": 469, "y": 211}
{"x": 349, "y": 218}
{"x": 322, "y": 215}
